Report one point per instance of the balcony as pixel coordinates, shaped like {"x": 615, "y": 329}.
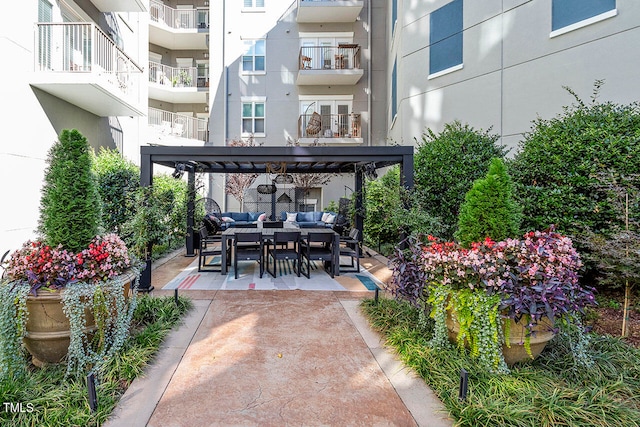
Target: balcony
{"x": 331, "y": 129}
{"x": 326, "y": 11}
{"x": 176, "y": 129}
{"x": 329, "y": 65}
{"x": 177, "y": 85}
{"x": 120, "y": 5}
{"x": 178, "y": 29}
{"x": 79, "y": 63}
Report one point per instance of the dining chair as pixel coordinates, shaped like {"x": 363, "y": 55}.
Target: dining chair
{"x": 248, "y": 247}
{"x": 350, "y": 247}
{"x": 317, "y": 247}
{"x": 210, "y": 246}
{"x": 285, "y": 245}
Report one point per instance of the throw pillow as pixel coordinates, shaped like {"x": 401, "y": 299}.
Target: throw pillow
{"x": 325, "y": 215}
{"x": 291, "y": 216}
{"x": 331, "y": 219}
{"x": 262, "y": 217}
{"x": 227, "y": 219}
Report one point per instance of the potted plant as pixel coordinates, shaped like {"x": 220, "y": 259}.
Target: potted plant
{"x": 502, "y": 299}
{"x": 63, "y": 294}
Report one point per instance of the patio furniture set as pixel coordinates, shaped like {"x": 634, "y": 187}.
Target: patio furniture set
{"x": 278, "y": 240}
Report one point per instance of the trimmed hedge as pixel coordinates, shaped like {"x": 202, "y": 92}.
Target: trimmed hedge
{"x": 446, "y": 165}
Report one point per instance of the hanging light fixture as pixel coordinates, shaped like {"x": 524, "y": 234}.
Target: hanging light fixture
{"x": 266, "y": 188}
{"x": 284, "y": 178}
{"x": 178, "y": 171}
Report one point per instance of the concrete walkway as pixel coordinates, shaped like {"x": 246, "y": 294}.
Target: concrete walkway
{"x": 274, "y": 358}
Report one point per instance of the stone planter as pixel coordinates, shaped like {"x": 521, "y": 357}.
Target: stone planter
{"x": 48, "y": 332}
{"x": 542, "y": 334}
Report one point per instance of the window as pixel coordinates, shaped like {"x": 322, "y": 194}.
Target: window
{"x": 254, "y": 56}
{"x": 445, "y": 38}
{"x": 253, "y": 118}
{"x": 253, "y": 4}
{"x": 566, "y": 13}
{"x": 394, "y": 90}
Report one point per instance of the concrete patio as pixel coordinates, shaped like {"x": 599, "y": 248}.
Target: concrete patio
{"x": 273, "y": 357}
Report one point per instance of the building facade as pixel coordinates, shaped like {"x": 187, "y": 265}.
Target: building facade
{"x": 66, "y": 65}
{"x": 501, "y": 63}
{"x": 298, "y": 72}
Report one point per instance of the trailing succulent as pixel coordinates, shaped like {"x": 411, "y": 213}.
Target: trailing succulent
{"x": 105, "y": 299}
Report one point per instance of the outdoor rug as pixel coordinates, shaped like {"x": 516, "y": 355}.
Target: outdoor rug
{"x": 286, "y": 278}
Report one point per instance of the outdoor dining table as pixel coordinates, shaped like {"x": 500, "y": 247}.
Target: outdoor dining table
{"x": 229, "y": 234}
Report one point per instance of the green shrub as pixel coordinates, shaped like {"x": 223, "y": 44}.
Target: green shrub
{"x": 331, "y": 207}
{"x": 148, "y": 225}
{"x": 70, "y": 206}
{"x": 172, "y": 195}
{"x": 569, "y": 171}
{"x": 489, "y": 209}
{"x": 118, "y": 180}
{"x": 160, "y": 218}
{"x": 559, "y": 164}
{"x": 446, "y": 165}
{"x": 392, "y": 211}
{"x": 382, "y": 196}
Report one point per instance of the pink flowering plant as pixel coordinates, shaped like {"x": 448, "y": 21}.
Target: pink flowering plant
{"x": 43, "y": 266}
{"x": 105, "y": 258}
{"x": 535, "y": 276}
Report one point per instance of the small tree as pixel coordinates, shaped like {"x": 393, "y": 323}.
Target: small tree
{"x": 118, "y": 180}
{"x": 238, "y": 183}
{"x": 489, "y": 209}
{"x": 70, "y": 206}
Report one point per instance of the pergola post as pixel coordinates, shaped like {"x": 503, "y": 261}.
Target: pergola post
{"x": 146, "y": 180}
{"x": 191, "y": 207}
{"x": 359, "y": 181}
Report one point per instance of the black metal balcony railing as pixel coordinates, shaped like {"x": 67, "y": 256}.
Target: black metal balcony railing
{"x": 329, "y": 126}
{"x": 341, "y": 57}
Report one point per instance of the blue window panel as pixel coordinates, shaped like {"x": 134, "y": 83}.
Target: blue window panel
{"x": 394, "y": 90}
{"x": 445, "y": 37}
{"x": 567, "y": 12}
{"x": 394, "y": 13}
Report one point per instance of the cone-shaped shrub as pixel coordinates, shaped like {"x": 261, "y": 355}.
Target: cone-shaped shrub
{"x": 489, "y": 209}
{"x": 70, "y": 206}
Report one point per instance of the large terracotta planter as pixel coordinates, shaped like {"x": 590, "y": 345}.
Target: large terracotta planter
{"x": 48, "y": 332}
{"x": 516, "y": 352}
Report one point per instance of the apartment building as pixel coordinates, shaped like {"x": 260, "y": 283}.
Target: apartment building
{"x": 298, "y": 72}
{"x": 178, "y": 72}
{"x": 65, "y": 64}
{"x": 502, "y": 63}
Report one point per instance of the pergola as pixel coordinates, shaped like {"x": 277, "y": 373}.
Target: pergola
{"x": 359, "y": 161}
